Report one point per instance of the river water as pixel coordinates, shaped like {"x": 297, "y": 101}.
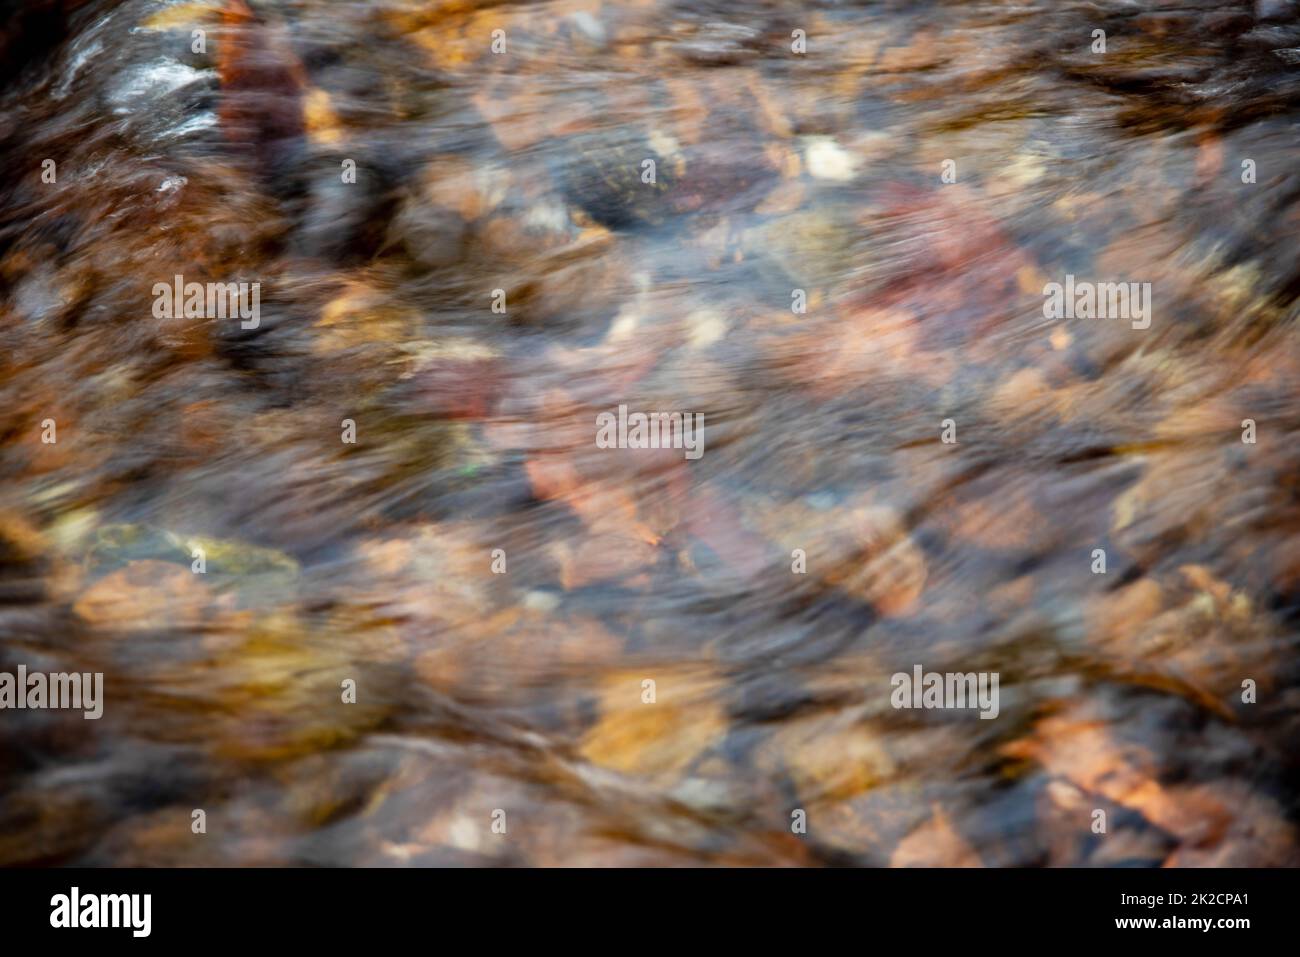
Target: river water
{"x": 365, "y": 588}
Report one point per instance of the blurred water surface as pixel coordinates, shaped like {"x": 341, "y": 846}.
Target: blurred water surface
{"x": 522, "y": 692}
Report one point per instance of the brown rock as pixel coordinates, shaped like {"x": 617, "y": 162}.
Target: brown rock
{"x": 829, "y": 758}
{"x": 935, "y": 843}
{"x": 146, "y": 595}
{"x": 656, "y": 740}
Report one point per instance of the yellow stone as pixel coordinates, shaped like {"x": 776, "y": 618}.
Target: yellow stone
{"x": 659, "y": 739}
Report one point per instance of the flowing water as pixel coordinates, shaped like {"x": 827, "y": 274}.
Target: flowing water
{"x": 437, "y": 623}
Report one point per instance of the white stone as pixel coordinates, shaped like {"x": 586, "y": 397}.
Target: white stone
{"x": 826, "y": 159}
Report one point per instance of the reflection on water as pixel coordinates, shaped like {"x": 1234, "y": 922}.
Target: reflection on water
{"x": 392, "y": 484}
